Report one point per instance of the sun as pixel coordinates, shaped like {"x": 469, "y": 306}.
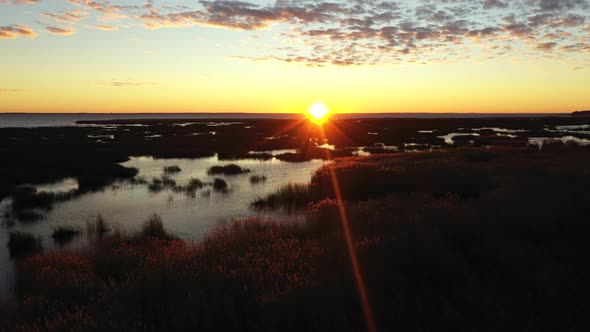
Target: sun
{"x": 318, "y": 112}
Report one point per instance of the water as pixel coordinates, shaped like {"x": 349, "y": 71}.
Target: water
{"x": 540, "y": 141}
{"x": 30, "y": 120}
{"x": 126, "y": 206}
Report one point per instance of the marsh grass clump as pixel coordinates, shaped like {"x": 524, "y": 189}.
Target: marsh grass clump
{"x": 65, "y": 234}
{"x": 290, "y": 197}
{"x": 192, "y": 187}
{"x": 323, "y": 216}
{"x": 21, "y": 244}
{"x": 28, "y": 198}
{"x": 220, "y": 185}
{"x": 154, "y": 227}
{"x": 153, "y": 187}
{"x": 231, "y": 169}
{"x": 241, "y": 155}
{"x": 172, "y": 169}
{"x": 294, "y": 157}
{"x": 254, "y": 179}
{"x": 99, "y": 227}
{"x": 139, "y": 180}
{"x": 168, "y": 182}
{"x": 158, "y": 184}
{"x": 28, "y": 216}
{"x": 195, "y": 184}
{"x": 259, "y": 155}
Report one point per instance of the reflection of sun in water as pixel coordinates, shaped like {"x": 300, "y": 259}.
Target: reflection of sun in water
{"x": 318, "y": 112}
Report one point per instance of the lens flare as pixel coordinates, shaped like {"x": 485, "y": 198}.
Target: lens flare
{"x": 318, "y": 112}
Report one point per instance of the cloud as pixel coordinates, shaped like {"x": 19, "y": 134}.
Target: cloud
{"x": 60, "y": 31}
{"x": 105, "y": 27}
{"x": 559, "y": 5}
{"x": 362, "y": 32}
{"x": 19, "y": 2}
{"x": 546, "y": 47}
{"x": 372, "y": 32}
{"x": 16, "y": 30}
{"x": 119, "y": 83}
{"x": 68, "y": 16}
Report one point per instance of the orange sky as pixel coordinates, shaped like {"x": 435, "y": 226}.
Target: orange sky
{"x": 267, "y": 56}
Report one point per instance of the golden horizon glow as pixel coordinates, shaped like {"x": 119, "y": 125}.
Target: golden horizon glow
{"x": 318, "y": 112}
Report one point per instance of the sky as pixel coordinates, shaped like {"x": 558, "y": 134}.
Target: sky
{"x": 282, "y": 56}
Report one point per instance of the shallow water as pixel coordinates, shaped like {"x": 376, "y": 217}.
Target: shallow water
{"x": 125, "y": 206}
{"x": 449, "y": 138}
{"x": 540, "y": 141}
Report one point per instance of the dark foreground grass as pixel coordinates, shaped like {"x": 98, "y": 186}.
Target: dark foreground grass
{"x": 512, "y": 257}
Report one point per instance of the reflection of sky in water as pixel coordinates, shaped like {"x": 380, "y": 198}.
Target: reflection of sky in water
{"x": 62, "y": 186}
{"x": 449, "y": 138}
{"x": 126, "y": 206}
{"x": 540, "y": 141}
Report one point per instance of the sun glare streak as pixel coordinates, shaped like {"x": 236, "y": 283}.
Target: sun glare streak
{"x": 358, "y": 276}
{"x": 318, "y": 112}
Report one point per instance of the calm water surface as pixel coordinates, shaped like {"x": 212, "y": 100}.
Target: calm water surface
{"x": 126, "y": 206}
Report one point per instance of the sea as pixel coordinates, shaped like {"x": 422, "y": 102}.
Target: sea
{"x": 32, "y": 120}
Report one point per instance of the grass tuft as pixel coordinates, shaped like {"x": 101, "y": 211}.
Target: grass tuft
{"x": 231, "y": 169}
{"x": 254, "y": 179}
{"x": 219, "y": 185}
{"x": 64, "y": 234}
{"x": 172, "y": 169}
{"x": 21, "y": 244}
{"x": 290, "y": 197}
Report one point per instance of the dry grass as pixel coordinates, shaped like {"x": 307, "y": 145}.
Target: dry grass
{"x": 512, "y": 257}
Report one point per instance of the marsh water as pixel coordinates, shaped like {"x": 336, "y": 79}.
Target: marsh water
{"x": 125, "y": 205}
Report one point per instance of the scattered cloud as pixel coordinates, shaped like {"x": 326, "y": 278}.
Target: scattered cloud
{"x": 19, "y": 2}
{"x": 361, "y": 32}
{"x": 68, "y": 16}
{"x": 60, "y": 31}
{"x": 105, "y": 27}
{"x": 120, "y": 83}
{"x": 16, "y": 30}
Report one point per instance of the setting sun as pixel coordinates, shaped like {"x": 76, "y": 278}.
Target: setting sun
{"x": 318, "y": 112}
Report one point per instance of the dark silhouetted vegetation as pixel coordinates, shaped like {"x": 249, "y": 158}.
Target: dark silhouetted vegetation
{"x": 98, "y": 227}
{"x": 254, "y": 179}
{"x": 153, "y": 227}
{"x": 172, "y": 169}
{"x": 196, "y": 184}
{"x": 21, "y": 244}
{"x": 585, "y": 114}
{"x": 65, "y": 234}
{"x": 511, "y": 257}
{"x": 27, "y": 216}
{"x": 290, "y": 197}
{"x": 219, "y": 185}
{"x": 231, "y": 169}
